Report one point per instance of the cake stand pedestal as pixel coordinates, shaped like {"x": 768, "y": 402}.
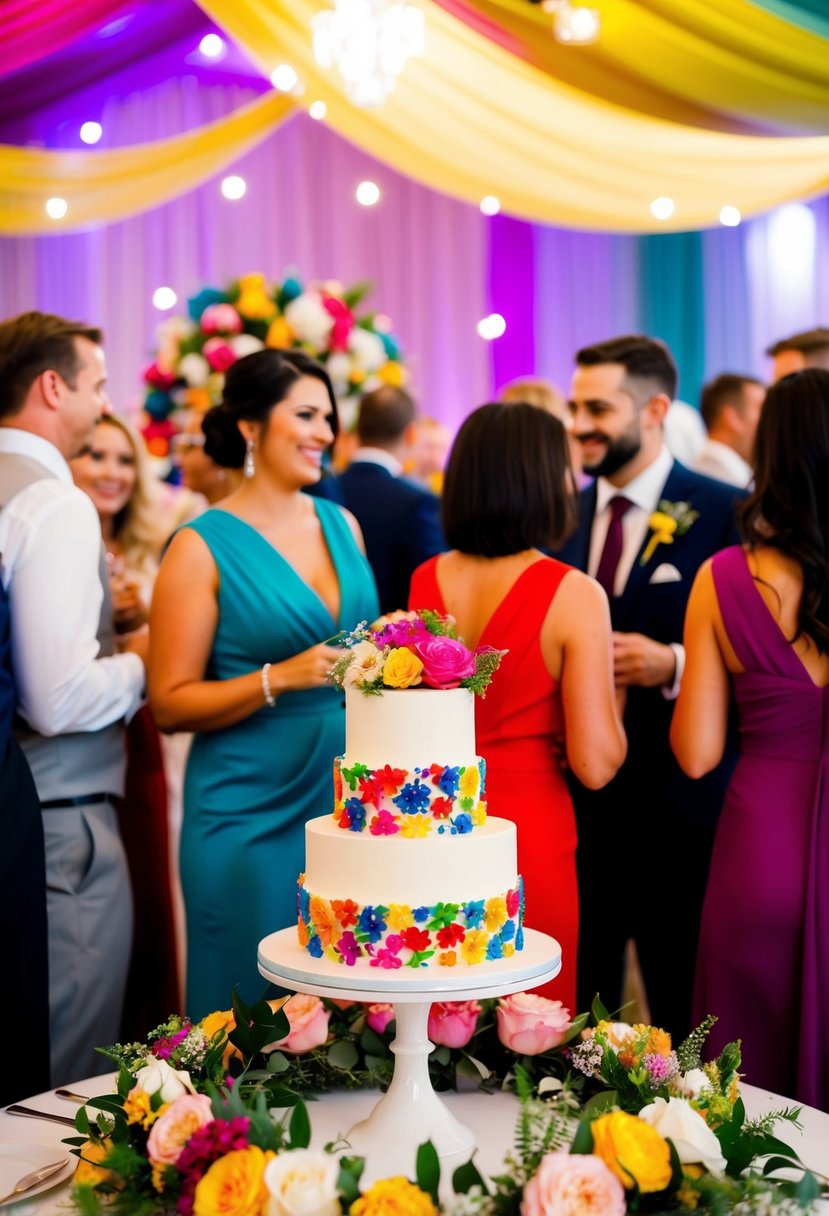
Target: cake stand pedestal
{"x": 410, "y": 1112}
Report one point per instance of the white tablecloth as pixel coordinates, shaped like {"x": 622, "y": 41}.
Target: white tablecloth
{"x": 491, "y": 1117}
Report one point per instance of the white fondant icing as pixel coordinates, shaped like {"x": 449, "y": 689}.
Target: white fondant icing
{"x": 409, "y": 728}
{"x": 391, "y": 869}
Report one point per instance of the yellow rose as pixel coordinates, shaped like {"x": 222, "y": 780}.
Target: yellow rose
{"x": 254, "y": 301}
{"x": 234, "y": 1185}
{"x": 402, "y": 669}
{"x": 280, "y": 335}
{"x": 89, "y": 1170}
{"x": 633, "y": 1150}
{"x": 393, "y": 1197}
{"x": 391, "y": 373}
{"x": 221, "y": 1019}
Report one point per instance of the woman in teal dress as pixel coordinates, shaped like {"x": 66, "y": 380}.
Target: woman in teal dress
{"x": 246, "y": 601}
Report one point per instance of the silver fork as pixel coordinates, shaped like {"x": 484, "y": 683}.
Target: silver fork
{"x": 32, "y": 1179}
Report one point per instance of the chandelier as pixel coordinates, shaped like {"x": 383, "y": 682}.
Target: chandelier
{"x": 370, "y": 42}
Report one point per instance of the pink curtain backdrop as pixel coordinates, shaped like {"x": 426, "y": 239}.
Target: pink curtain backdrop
{"x": 426, "y": 253}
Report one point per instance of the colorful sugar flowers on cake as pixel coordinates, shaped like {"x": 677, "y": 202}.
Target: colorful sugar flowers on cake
{"x": 395, "y": 936}
{"x": 411, "y": 650}
{"x": 441, "y": 799}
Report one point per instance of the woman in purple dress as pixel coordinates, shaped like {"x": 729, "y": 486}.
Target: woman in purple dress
{"x": 757, "y": 629}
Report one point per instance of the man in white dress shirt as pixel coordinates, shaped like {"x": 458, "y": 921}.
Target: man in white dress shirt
{"x": 74, "y": 692}
{"x": 645, "y": 527}
{"x": 730, "y": 406}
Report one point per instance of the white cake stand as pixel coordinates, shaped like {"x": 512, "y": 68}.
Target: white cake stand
{"x": 410, "y": 1112}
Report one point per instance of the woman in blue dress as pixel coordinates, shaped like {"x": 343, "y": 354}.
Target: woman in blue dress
{"x": 245, "y": 599}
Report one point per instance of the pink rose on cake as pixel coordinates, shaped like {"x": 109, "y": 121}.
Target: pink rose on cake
{"x": 452, "y": 1023}
{"x": 446, "y": 661}
{"x": 529, "y": 1024}
{"x": 308, "y": 1019}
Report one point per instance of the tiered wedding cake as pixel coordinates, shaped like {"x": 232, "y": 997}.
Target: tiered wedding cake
{"x": 409, "y": 870}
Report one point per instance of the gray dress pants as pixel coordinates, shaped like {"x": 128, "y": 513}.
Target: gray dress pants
{"x": 89, "y": 905}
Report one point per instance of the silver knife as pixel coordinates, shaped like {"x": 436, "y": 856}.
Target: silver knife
{"x": 36, "y": 1176}
{"x": 29, "y": 1113}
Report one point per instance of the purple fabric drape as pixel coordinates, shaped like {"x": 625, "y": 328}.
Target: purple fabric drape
{"x": 511, "y": 290}
{"x": 32, "y": 29}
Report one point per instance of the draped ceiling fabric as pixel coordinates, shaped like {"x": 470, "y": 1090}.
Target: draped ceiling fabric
{"x": 710, "y": 104}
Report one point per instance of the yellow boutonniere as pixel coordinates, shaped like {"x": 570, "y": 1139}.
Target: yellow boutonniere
{"x": 670, "y": 519}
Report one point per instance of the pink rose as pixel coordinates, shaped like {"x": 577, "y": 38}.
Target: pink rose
{"x": 378, "y": 1016}
{"x": 529, "y": 1024}
{"x": 343, "y": 321}
{"x": 218, "y": 354}
{"x": 220, "y": 319}
{"x": 308, "y": 1019}
{"x": 573, "y": 1185}
{"x": 446, "y": 661}
{"x": 452, "y": 1023}
{"x": 159, "y": 379}
{"x": 175, "y": 1126}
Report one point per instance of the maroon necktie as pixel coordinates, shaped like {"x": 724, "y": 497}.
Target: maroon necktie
{"x": 612, "y": 551}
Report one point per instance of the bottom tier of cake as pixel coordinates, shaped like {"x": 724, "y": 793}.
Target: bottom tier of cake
{"x": 391, "y": 901}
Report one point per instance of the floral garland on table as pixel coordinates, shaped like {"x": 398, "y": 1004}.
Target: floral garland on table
{"x": 411, "y": 649}
{"x": 612, "y": 1118}
{"x": 358, "y": 349}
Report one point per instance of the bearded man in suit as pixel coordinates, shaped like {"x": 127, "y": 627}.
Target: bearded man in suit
{"x": 646, "y": 525}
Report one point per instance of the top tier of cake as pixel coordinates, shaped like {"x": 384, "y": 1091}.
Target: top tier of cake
{"x": 410, "y": 728}
{"x": 410, "y": 764}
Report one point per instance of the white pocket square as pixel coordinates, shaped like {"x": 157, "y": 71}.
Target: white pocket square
{"x": 666, "y": 573}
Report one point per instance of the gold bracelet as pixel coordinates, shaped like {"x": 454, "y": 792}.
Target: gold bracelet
{"x": 270, "y": 699}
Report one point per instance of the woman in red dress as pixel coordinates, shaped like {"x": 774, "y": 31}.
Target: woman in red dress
{"x": 552, "y": 704}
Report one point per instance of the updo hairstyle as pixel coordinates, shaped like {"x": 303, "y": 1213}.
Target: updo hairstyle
{"x": 253, "y": 386}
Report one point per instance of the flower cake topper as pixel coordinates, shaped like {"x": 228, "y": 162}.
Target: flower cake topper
{"x": 410, "y": 650}
{"x": 669, "y": 520}
{"x": 358, "y": 349}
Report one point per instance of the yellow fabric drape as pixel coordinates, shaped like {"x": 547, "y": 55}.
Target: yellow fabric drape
{"x": 471, "y": 119}
{"x": 729, "y": 66}
{"x": 109, "y": 185}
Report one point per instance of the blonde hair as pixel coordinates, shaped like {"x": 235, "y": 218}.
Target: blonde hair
{"x": 137, "y": 527}
{"x": 540, "y": 393}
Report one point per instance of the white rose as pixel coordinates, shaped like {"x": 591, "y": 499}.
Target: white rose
{"x": 338, "y": 367}
{"x": 158, "y": 1077}
{"x": 309, "y": 320}
{"x": 368, "y": 350}
{"x": 195, "y": 369}
{"x": 692, "y": 1138}
{"x": 302, "y": 1183}
{"x": 691, "y": 1084}
{"x": 245, "y": 344}
{"x": 365, "y": 666}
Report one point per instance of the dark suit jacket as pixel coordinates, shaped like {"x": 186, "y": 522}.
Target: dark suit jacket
{"x": 399, "y": 520}
{"x": 657, "y": 610}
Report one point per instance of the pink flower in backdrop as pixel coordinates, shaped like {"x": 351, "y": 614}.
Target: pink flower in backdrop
{"x": 452, "y": 1023}
{"x": 343, "y": 321}
{"x": 308, "y": 1020}
{"x": 378, "y": 1016}
{"x": 568, "y": 1184}
{"x": 220, "y": 319}
{"x": 529, "y": 1024}
{"x": 445, "y": 661}
{"x": 159, "y": 379}
{"x": 218, "y": 354}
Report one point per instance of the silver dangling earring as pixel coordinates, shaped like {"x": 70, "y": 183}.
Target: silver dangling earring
{"x": 250, "y": 467}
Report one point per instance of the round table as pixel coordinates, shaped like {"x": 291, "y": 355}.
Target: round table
{"x": 490, "y": 1116}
